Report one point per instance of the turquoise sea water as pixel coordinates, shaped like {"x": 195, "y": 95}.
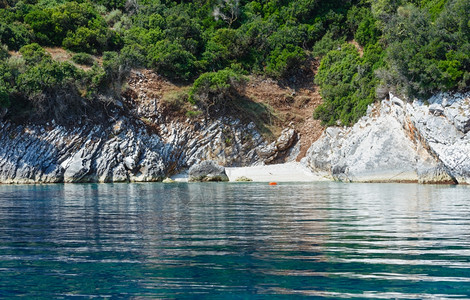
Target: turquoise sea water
{"x": 147, "y": 241}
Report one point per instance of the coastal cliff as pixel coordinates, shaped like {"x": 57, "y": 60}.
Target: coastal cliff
{"x": 399, "y": 142}
{"x": 395, "y": 142}
{"x": 138, "y": 140}
{"x": 124, "y": 151}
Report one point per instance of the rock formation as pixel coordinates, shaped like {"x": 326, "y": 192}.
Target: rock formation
{"x": 121, "y": 152}
{"x": 207, "y": 170}
{"x": 400, "y": 142}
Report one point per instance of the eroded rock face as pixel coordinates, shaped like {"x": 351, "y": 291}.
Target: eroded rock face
{"x": 399, "y": 142}
{"x": 141, "y": 142}
{"x": 207, "y": 170}
{"x": 123, "y": 151}
{"x": 279, "y": 147}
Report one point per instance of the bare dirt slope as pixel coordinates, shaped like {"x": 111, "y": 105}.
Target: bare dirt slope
{"x": 291, "y": 105}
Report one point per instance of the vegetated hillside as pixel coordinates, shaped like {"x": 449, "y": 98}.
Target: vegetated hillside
{"x": 410, "y": 47}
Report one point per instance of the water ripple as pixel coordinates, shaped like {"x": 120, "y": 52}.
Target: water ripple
{"x": 146, "y": 241}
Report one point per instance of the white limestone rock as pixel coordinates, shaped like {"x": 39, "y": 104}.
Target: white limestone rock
{"x": 399, "y": 142}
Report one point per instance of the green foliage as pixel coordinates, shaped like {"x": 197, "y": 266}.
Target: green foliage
{"x": 216, "y": 90}
{"x": 4, "y": 86}
{"x": 425, "y": 56}
{"x": 76, "y": 26}
{"x": 367, "y": 31}
{"x": 411, "y": 47}
{"x": 172, "y": 60}
{"x": 83, "y": 59}
{"x": 286, "y": 61}
{"x": 84, "y": 39}
{"x": 326, "y": 44}
{"x": 347, "y": 83}
{"x": 14, "y": 35}
{"x": 435, "y": 7}
{"x": 33, "y": 53}
{"x": 4, "y": 96}
{"x": 184, "y": 38}
{"x": 110, "y": 4}
{"x": 3, "y": 52}
{"x": 47, "y": 77}
{"x": 224, "y": 47}
{"x": 41, "y": 23}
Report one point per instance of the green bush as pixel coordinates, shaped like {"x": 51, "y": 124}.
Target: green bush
{"x": 326, "y": 44}
{"x": 14, "y": 35}
{"x": 286, "y": 62}
{"x": 367, "y": 31}
{"x": 214, "y": 91}
{"x": 83, "y": 59}
{"x": 4, "y": 95}
{"x": 33, "y": 53}
{"x": 3, "y": 52}
{"x": 224, "y": 47}
{"x": 347, "y": 84}
{"x": 134, "y": 54}
{"x": 171, "y": 60}
{"x": 425, "y": 56}
{"x": 75, "y": 26}
{"x": 86, "y": 40}
{"x": 48, "y": 77}
{"x": 43, "y": 26}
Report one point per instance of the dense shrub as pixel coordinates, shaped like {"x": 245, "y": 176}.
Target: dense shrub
{"x": 14, "y": 35}
{"x": 76, "y": 26}
{"x": 4, "y": 96}
{"x": 425, "y": 56}
{"x": 411, "y": 47}
{"x": 172, "y": 60}
{"x": 33, "y": 53}
{"x": 285, "y": 62}
{"x": 215, "y": 91}
{"x": 326, "y": 44}
{"x": 347, "y": 83}
{"x": 4, "y": 86}
{"x": 83, "y": 59}
{"x": 3, "y": 52}
{"x": 47, "y": 77}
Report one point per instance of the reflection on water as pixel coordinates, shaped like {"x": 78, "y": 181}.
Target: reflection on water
{"x": 182, "y": 240}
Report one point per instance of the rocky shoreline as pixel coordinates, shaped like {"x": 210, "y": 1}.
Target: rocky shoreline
{"x": 395, "y": 142}
{"x": 400, "y": 142}
{"x": 127, "y": 152}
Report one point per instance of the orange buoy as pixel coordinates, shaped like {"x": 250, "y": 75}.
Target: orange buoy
{"x": 273, "y": 183}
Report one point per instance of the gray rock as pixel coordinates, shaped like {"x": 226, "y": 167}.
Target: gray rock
{"x": 124, "y": 151}
{"x": 207, "y": 171}
{"x": 286, "y": 139}
{"x": 399, "y": 143}
{"x": 436, "y": 109}
{"x": 459, "y": 115}
{"x": 268, "y": 152}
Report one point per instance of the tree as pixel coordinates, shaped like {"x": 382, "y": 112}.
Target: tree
{"x": 216, "y": 91}
{"x": 227, "y": 10}
{"x": 286, "y": 61}
{"x": 172, "y": 60}
{"x": 347, "y": 84}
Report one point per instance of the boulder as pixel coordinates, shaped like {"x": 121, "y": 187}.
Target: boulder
{"x": 207, "y": 171}
{"x": 286, "y": 139}
{"x": 243, "y": 179}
